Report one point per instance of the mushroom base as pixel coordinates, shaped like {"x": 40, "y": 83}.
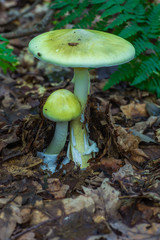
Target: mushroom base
{"x": 50, "y": 162}
{"x": 81, "y": 148}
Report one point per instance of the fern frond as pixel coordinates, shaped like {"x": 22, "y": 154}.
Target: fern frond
{"x": 130, "y": 30}
{"x": 106, "y": 5}
{"x": 149, "y": 66}
{"x": 119, "y": 20}
{"x": 111, "y": 11}
{"x": 124, "y": 72}
{"x": 130, "y": 5}
{"x": 109, "y": 4}
{"x": 59, "y": 4}
{"x": 98, "y": 1}
{"x": 157, "y": 48}
{"x": 140, "y": 12}
{"x": 86, "y": 20}
{"x": 68, "y": 8}
{"x": 154, "y": 20}
{"x": 68, "y": 19}
{"x": 7, "y": 59}
{"x": 141, "y": 44}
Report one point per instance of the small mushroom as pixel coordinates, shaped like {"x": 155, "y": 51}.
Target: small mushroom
{"x": 81, "y": 49}
{"x": 61, "y": 107}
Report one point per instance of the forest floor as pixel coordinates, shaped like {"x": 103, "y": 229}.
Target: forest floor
{"x": 118, "y": 196}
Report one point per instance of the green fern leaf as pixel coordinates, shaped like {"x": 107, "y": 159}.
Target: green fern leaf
{"x": 59, "y": 4}
{"x": 154, "y": 20}
{"x": 65, "y": 10}
{"x": 119, "y": 20}
{"x": 86, "y": 20}
{"x": 113, "y": 10}
{"x": 149, "y": 66}
{"x": 142, "y": 44}
{"x": 130, "y": 5}
{"x": 140, "y": 12}
{"x": 123, "y": 73}
{"x": 98, "y": 1}
{"x": 7, "y": 59}
{"x": 157, "y": 48}
{"x": 109, "y": 4}
{"x": 130, "y": 30}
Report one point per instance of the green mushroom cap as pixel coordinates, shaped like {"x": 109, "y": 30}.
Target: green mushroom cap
{"x": 81, "y": 48}
{"x": 62, "y": 105}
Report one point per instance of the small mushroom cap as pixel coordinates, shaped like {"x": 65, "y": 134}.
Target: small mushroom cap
{"x": 81, "y": 48}
{"x": 62, "y": 105}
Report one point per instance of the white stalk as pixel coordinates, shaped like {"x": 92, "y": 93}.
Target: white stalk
{"x": 80, "y": 150}
{"x": 82, "y": 80}
{"x": 59, "y": 138}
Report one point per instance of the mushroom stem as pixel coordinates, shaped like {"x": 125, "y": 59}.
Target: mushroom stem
{"x": 59, "y": 138}
{"x": 81, "y": 79}
{"x": 80, "y": 149}
{"x": 79, "y": 143}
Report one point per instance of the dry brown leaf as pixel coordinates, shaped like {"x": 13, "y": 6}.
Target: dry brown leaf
{"x": 25, "y": 214}
{"x": 56, "y": 188}
{"x": 158, "y": 134}
{"x": 37, "y": 217}
{"x": 105, "y": 197}
{"x": 141, "y": 126}
{"x": 80, "y": 203}
{"x": 126, "y": 140}
{"x": 37, "y": 186}
{"x": 137, "y": 155}
{"x": 125, "y": 171}
{"x": 133, "y": 110}
{"x": 27, "y": 236}
{"x": 5, "y": 200}
{"x": 110, "y": 163}
{"x": 128, "y": 143}
{"x": 9, "y": 217}
{"x": 139, "y": 232}
{"x": 148, "y": 211}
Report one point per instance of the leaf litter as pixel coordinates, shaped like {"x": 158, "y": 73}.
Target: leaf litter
{"x": 117, "y": 197}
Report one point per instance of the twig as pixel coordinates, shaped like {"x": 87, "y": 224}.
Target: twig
{"x": 21, "y": 14}
{"x": 33, "y": 228}
{"x": 37, "y": 28}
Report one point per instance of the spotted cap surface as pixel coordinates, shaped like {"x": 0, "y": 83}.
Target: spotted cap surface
{"x": 81, "y": 48}
{"x": 62, "y": 105}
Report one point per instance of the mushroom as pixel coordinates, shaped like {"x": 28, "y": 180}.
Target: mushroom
{"x": 61, "y": 107}
{"x": 81, "y": 49}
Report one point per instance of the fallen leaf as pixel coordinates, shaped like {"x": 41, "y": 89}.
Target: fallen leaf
{"x": 126, "y": 141}
{"x": 153, "y": 109}
{"x": 152, "y": 150}
{"x": 138, "y": 156}
{"x": 125, "y": 171}
{"x": 110, "y": 164}
{"x": 9, "y": 217}
{"x": 57, "y": 189}
{"x": 134, "y": 110}
{"x": 142, "y": 231}
{"x": 26, "y": 214}
{"x": 142, "y": 137}
{"x": 105, "y": 197}
{"x": 80, "y": 203}
{"x": 147, "y": 211}
{"x": 158, "y": 134}
{"x": 27, "y": 236}
{"x": 142, "y": 126}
